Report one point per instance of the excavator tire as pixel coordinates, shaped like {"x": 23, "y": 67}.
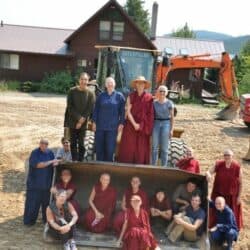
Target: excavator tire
{"x": 177, "y": 148}
{"x": 89, "y": 144}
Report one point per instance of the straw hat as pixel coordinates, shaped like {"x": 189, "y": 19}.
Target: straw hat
{"x": 140, "y": 79}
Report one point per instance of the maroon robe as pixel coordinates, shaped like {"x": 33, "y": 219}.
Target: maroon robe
{"x": 120, "y": 216}
{"x": 105, "y": 201}
{"x": 189, "y": 165}
{"x": 226, "y": 184}
{"x": 138, "y": 235}
{"x": 135, "y": 145}
{"x": 70, "y": 186}
{"x": 162, "y": 206}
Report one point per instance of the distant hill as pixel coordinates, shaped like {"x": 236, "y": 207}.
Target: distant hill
{"x": 210, "y": 35}
{"x": 232, "y": 44}
{"x": 235, "y": 44}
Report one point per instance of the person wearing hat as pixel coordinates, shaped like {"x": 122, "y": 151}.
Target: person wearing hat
{"x": 135, "y": 140}
{"x": 64, "y": 153}
{"x": 163, "y": 126}
{"x": 228, "y": 184}
{"x": 39, "y": 181}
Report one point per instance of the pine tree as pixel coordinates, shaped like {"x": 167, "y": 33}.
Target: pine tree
{"x": 184, "y": 32}
{"x": 135, "y": 10}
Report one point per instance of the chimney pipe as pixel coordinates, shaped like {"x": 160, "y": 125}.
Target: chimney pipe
{"x": 154, "y": 20}
{"x": 1, "y": 23}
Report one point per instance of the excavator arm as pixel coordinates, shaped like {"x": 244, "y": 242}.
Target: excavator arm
{"x": 227, "y": 80}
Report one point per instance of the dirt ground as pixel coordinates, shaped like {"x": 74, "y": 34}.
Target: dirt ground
{"x": 25, "y": 118}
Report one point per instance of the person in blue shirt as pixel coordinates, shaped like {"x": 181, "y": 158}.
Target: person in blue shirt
{"x": 163, "y": 126}
{"x": 189, "y": 223}
{"x": 38, "y": 184}
{"x": 226, "y": 229}
{"x": 108, "y": 119}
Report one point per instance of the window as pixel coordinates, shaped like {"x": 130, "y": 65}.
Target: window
{"x": 82, "y": 63}
{"x": 9, "y": 61}
{"x": 105, "y": 30}
{"x": 118, "y": 30}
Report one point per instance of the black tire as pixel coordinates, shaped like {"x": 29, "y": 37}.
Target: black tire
{"x": 89, "y": 144}
{"x": 176, "y": 150}
{"x": 247, "y": 124}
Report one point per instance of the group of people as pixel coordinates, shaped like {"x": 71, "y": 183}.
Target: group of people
{"x": 183, "y": 213}
{"x": 137, "y": 119}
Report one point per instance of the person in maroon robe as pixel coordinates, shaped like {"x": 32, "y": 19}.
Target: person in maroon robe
{"x": 102, "y": 201}
{"x": 133, "y": 190}
{"x": 136, "y": 232}
{"x": 228, "y": 184}
{"x": 67, "y": 184}
{"x": 135, "y": 140}
{"x": 160, "y": 209}
{"x": 189, "y": 163}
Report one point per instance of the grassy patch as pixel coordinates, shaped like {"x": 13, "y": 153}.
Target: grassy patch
{"x": 9, "y": 85}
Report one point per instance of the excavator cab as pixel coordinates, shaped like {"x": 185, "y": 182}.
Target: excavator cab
{"x": 125, "y": 64}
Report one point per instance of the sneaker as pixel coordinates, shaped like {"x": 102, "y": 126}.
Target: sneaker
{"x": 73, "y": 245}
{"x": 66, "y": 246}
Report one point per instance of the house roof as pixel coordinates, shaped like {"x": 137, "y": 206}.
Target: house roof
{"x": 193, "y": 46}
{"x": 123, "y": 13}
{"x": 31, "y": 39}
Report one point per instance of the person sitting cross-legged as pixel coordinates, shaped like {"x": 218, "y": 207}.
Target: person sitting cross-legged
{"x": 188, "y": 223}
{"x": 226, "y": 229}
{"x": 160, "y": 209}
{"x": 102, "y": 202}
{"x": 62, "y": 217}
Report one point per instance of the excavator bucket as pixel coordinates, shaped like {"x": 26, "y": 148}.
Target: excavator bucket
{"x": 247, "y": 157}
{"x": 230, "y": 112}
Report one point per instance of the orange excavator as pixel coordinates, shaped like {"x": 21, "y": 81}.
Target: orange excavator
{"x": 228, "y": 90}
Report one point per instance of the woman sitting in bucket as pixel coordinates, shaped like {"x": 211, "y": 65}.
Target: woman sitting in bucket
{"x": 62, "y": 217}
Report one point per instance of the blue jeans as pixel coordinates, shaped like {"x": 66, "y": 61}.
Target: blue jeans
{"x": 160, "y": 140}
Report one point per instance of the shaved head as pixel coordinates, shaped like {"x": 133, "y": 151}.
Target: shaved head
{"x": 220, "y": 203}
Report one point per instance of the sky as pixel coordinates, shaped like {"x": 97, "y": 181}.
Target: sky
{"x": 229, "y": 17}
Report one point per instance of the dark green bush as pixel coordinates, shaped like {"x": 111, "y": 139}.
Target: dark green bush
{"x": 58, "y": 82}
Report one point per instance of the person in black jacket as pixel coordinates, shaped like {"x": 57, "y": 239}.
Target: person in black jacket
{"x": 80, "y": 103}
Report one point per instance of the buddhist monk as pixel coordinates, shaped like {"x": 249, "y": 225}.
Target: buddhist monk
{"x": 102, "y": 202}
{"x": 160, "y": 209}
{"x": 136, "y": 232}
{"x": 135, "y": 141}
{"x": 228, "y": 184}
{"x": 134, "y": 189}
{"x": 67, "y": 184}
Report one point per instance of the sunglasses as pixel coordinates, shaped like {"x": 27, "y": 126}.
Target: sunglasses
{"x": 227, "y": 155}
{"x": 45, "y": 143}
{"x": 162, "y": 91}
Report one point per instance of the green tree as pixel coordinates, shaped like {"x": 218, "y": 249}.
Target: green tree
{"x": 242, "y": 67}
{"x": 245, "y": 51}
{"x": 135, "y": 10}
{"x": 185, "y": 32}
